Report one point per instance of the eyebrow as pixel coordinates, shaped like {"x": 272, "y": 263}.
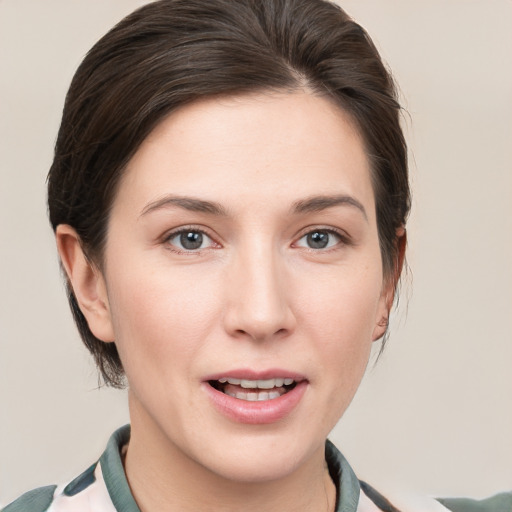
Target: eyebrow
{"x": 310, "y": 204}
{"x": 319, "y": 203}
{"x": 187, "y": 203}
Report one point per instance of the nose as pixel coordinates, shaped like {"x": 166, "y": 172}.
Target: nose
{"x": 258, "y": 305}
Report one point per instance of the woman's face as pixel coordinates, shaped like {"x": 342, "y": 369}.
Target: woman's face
{"x": 244, "y": 281}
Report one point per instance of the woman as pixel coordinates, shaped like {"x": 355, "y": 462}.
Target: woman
{"x": 229, "y": 195}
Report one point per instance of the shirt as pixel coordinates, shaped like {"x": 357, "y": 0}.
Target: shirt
{"x": 103, "y": 488}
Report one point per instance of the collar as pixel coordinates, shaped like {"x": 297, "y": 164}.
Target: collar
{"x": 347, "y": 484}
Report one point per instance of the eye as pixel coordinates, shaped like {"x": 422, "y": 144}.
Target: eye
{"x": 319, "y": 239}
{"x": 190, "y": 240}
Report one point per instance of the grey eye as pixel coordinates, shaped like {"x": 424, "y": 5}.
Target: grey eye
{"x": 319, "y": 239}
{"x": 190, "y": 240}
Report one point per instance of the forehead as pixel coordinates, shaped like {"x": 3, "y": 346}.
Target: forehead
{"x": 279, "y": 145}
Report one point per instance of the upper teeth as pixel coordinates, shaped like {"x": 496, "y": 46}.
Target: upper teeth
{"x": 261, "y": 384}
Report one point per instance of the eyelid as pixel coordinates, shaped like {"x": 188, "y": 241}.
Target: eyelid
{"x": 344, "y": 238}
{"x": 187, "y": 229}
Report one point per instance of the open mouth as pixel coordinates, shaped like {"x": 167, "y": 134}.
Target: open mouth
{"x": 254, "y": 390}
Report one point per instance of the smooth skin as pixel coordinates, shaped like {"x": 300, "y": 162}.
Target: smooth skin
{"x": 243, "y": 236}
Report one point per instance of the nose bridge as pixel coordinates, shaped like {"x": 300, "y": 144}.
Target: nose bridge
{"x": 258, "y": 304}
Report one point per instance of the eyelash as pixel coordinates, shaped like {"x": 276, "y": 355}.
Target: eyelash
{"x": 188, "y": 229}
{"x": 342, "y": 237}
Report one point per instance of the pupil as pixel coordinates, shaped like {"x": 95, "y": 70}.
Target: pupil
{"x": 191, "y": 240}
{"x": 318, "y": 240}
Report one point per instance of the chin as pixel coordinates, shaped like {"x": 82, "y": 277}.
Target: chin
{"x": 261, "y": 456}
{"x": 258, "y": 464}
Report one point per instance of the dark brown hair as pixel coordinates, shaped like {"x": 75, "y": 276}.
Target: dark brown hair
{"x": 173, "y": 52}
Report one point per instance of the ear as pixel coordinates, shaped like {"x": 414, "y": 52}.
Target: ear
{"x": 389, "y": 288}
{"x": 87, "y": 283}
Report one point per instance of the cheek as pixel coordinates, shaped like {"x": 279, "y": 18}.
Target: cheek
{"x": 347, "y": 325}
{"x": 343, "y": 302}
{"x": 160, "y": 317}
{"x": 340, "y": 316}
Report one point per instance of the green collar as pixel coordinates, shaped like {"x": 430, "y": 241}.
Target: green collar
{"x": 113, "y": 472}
{"x": 347, "y": 485}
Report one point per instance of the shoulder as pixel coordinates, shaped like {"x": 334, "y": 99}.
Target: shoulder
{"x": 368, "y": 499}
{"x": 37, "y": 500}
{"x": 88, "y": 492}
{"x": 499, "y": 503}
{"x": 405, "y": 502}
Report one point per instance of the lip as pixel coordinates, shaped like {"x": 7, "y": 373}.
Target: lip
{"x": 261, "y": 412}
{"x": 257, "y": 375}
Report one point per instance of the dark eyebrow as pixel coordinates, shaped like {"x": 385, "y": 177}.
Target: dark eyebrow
{"x": 319, "y": 203}
{"x": 187, "y": 203}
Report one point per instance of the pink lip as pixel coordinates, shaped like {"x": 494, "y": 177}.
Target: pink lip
{"x": 256, "y": 413}
{"x": 248, "y": 374}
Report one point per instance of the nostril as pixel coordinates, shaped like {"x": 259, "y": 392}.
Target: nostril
{"x": 261, "y": 334}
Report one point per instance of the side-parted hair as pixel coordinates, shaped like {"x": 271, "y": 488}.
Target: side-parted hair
{"x": 172, "y": 52}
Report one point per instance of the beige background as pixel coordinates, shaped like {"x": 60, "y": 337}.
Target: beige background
{"x": 435, "y": 415}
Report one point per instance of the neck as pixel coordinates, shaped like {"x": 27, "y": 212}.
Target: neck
{"x": 164, "y": 479}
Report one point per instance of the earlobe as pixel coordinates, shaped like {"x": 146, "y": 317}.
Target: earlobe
{"x": 87, "y": 283}
{"x": 380, "y": 328}
{"x": 388, "y": 294}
